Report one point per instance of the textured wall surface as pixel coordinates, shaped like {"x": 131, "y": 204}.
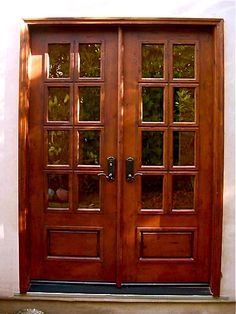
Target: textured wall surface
{"x": 10, "y": 16}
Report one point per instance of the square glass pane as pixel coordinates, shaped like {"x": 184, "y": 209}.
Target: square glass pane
{"x": 58, "y": 147}
{"x": 183, "y": 148}
{"x": 58, "y": 190}
{"x": 59, "y": 60}
{"x": 58, "y": 104}
{"x": 153, "y": 103}
{"x": 89, "y": 60}
{"x": 89, "y": 147}
{"x": 183, "y": 61}
{"x": 153, "y": 60}
{"x": 183, "y": 191}
{"x": 184, "y": 104}
{"x": 89, "y": 103}
{"x": 152, "y": 192}
{"x": 152, "y": 148}
{"x": 88, "y": 194}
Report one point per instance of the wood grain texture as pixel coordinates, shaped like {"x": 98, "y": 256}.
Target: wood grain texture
{"x": 199, "y": 217}
{"x": 23, "y": 159}
{"x": 126, "y": 196}
{"x": 123, "y": 21}
{"x": 218, "y": 158}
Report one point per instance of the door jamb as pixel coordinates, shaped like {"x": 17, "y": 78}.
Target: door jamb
{"x": 218, "y": 130}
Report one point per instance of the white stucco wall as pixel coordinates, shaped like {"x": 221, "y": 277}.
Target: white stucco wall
{"x": 11, "y": 13}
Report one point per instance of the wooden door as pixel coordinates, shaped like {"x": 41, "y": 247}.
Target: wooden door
{"x": 73, "y": 125}
{"x": 153, "y": 223}
{"x": 167, "y": 131}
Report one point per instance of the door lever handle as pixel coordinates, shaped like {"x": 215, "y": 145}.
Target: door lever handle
{"x": 130, "y": 175}
{"x": 111, "y": 167}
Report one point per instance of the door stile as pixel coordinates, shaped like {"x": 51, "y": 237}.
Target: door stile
{"x": 120, "y": 154}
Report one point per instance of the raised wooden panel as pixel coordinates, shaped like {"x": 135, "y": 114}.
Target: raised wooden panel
{"x": 166, "y": 244}
{"x": 74, "y": 243}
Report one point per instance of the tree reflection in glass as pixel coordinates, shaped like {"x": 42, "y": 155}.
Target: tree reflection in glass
{"x": 89, "y": 103}
{"x": 183, "y": 148}
{"x": 152, "y": 192}
{"x": 152, "y": 101}
{"x": 153, "y": 60}
{"x": 184, "y": 104}
{"x": 183, "y": 61}
{"x": 88, "y": 191}
{"x": 58, "y": 104}
{"x": 89, "y": 146}
{"x": 59, "y": 60}
{"x": 58, "y": 147}
{"x": 183, "y": 191}
{"x": 89, "y": 60}
{"x": 152, "y": 148}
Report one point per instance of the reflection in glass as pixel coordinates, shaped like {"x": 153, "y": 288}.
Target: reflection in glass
{"x": 183, "y": 191}
{"x": 89, "y": 103}
{"x": 89, "y": 60}
{"x": 152, "y": 100}
{"x": 153, "y": 60}
{"x": 58, "y": 190}
{"x": 152, "y": 148}
{"x": 89, "y": 142}
{"x": 58, "y": 104}
{"x": 59, "y": 60}
{"x": 88, "y": 191}
{"x": 58, "y": 147}
{"x": 183, "y": 148}
{"x": 152, "y": 192}
{"x": 183, "y": 61}
{"x": 184, "y": 107}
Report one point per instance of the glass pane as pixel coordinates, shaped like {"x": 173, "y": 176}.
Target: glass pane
{"x": 183, "y": 61}
{"x": 58, "y": 190}
{"x": 153, "y": 60}
{"x": 152, "y": 99}
{"x": 89, "y": 142}
{"x": 184, "y": 105}
{"x": 152, "y": 148}
{"x": 89, "y": 104}
{"x": 59, "y": 60}
{"x": 88, "y": 191}
{"x": 183, "y": 148}
{"x": 58, "y": 103}
{"x": 152, "y": 192}
{"x": 90, "y": 59}
{"x": 58, "y": 147}
{"x": 183, "y": 192}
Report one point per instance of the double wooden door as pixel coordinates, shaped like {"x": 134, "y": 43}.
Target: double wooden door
{"x": 121, "y": 154}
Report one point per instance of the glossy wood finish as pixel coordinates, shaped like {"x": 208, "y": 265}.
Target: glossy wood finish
{"x": 124, "y": 213}
{"x": 24, "y": 86}
{"x": 218, "y": 159}
{"x": 194, "y": 269}
{"x": 63, "y": 236}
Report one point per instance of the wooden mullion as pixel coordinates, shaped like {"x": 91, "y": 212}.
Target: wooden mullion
{"x": 120, "y": 156}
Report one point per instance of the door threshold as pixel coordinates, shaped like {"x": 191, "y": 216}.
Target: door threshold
{"x": 188, "y": 289}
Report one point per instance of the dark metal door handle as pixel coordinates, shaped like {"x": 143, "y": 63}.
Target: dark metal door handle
{"x": 111, "y": 168}
{"x": 130, "y": 175}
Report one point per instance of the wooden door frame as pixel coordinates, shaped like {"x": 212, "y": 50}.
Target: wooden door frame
{"x": 217, "y": 25}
